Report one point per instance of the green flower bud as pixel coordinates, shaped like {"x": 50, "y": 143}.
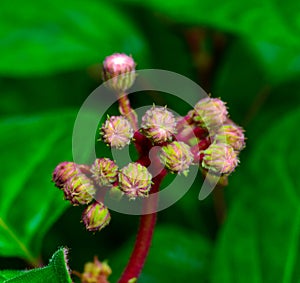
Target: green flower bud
{"x": 119, "y": 72}
{"x": 105, "y": 171}
{"x": 79, "y": 189}
{"x": 177, "y": 157}
{"x": 220, "y": 158}
{"x": 117, "y": 132}
{"x": 96, "y": 216}
{"x": 159, "y": 124}
{"x": 232, "y": 135}
{"x": 209, "y": 113}
{"x": 95, "y": 272}
{"x": 135, "y": 180}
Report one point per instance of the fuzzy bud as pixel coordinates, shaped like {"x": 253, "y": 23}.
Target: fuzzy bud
{"x": 135, "y": 180}
{"x": 79, "y": 189}
{"x": 95, "y": 272}
{"x": 209, "y": 113}
{"x": 63, "y": 172}
{"x": 159, "y": 124}
{"x": 117, "y": 131}
{"x": 220, "y": 158}
{"x": 105, "y": 171}
{"x": 232, "y": 135}
{"x": 177, "y": 157}
{"x": 96, "y": 216}
{"x": 119, "y": 72}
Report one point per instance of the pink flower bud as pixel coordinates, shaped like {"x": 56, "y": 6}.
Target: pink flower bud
{"x": 232, "y": 135}
{"x": 96, "y": 216}
{"x": 177, "y": 157}
{"x": 105, "y": 171}
{"x": 119, "y": 72}
{"x": 210, "y": 113}
{"x": 135, "y": 180}
{"x": 117, "y": 132}
{"x": 63, "y": 172}
{"x": 79, "y": 189}
{"x": 95, "y": 272}
{"x": 159, "y": 124}
{"x": 220, "y": 158}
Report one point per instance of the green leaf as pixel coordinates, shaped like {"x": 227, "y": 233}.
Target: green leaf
{"x": 176, "y": 255}
{"x": 260, "y": 240}
{"x": 48, "y": 36}
{"x": 254, "y": 20}
{"x": 31, "y": 147}
{"x": 56, "y": 272}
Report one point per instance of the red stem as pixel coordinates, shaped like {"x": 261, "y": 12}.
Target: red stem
{"x": 143, "y": 239}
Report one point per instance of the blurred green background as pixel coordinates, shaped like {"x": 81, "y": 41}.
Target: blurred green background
{"x": 246, "y": 52}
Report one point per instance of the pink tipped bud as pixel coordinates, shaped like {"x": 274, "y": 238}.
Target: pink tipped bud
{"x": 63, "y": 172}
{"x": 96, "y": 216}
{"x": 119, "y": 72}
{"x": 105, "y": 171}
{"x": 220, "y": 158}
{"x": 79, "y": 189}
{"x": 177, "y": 157}
{"x": 95, "y": 272}
{"x": 232, "y": 135}
{"x": 117, "y": 131}
{"x": 210, "y": 113}
{"x": 135, "y": 180}
{"x": 159, "y": 124}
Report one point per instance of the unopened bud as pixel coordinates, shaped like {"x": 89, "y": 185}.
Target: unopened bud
{"x": 79, "y": 189}
{"x": 177, "y": 157}
{"x": 119, "y": 72}
{"x": 232, "y": 135}
{"x": 159, "y": 124}
{"x": 96, "y": 216}
{"x": 105, "y": 171}
{"x": 63, "y": 172}
{"x": 95, "y": 272}
{"x": 209, "y": 113}
{"x": 135, "y": 180}
{"x": 117, "y": 131}
{"x": 220, "y": 158}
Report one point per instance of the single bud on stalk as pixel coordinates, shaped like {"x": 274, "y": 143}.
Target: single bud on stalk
{"x": 220, "y": 158}
{"x": 95, "y": 272}
{"x": 158, "y": 124}
{"x": 209, "y": 113}
{"x": 63, "y": 172}
{"x": 177, "y": 157}
{"x": 135, "y": 180}
{"x": 117, "y": 132}
{"x": 79, "y": 189}
{"x": 119, "y": 72}
{"x": 105, "y": 171}
{"x": 232, "y": 135}
{"x": 96, "y": 216}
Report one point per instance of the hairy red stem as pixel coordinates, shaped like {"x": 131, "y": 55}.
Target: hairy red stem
{"x": 143, "y": 239}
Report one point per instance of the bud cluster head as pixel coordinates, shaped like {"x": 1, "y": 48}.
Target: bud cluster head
{"x": 96, "y": 272}
{"x": 209, "y": 113}
{"x": 105, "y": 171}
{"x": 119, "y": 72}
{"x": 117, "y": 132}
{"x": 63, "y": 172}
{"x": 96, "y": 216}
{"x": 159, "y": 124}
{"x": 177, "y": 157}
{"x": 220, "y": 158}
{"x": 135, "y": 180}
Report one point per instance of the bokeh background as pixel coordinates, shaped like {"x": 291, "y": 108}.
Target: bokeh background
{"x": 246, "y": 52}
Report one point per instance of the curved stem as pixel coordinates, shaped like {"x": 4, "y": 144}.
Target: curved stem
{"x": 143, "y": 239}
{"x": 126, "y": 110}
